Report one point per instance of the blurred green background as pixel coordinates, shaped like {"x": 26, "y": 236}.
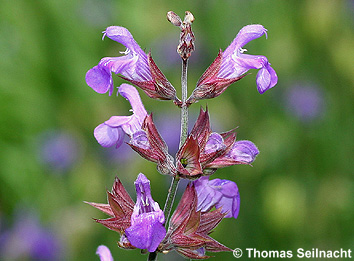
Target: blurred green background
{"x": 299, "y": 192}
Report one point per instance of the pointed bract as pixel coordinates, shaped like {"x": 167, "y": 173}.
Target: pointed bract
{"x": 189, "y": 229}
{"x": 120, "y": 208}
{"x": 151, "y": 146}
{"x": 210, "y": 85}
{"x": 187, "y": 159}
{"x": 158, "y": 87}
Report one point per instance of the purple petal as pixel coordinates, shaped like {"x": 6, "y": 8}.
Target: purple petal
{"x": 244, "y": 151}
{"x": 104, "y": 253}
{"x": 245, "y": 35}
{"x": 132, "y": 95}
{"x": 230, "y": 200}
{"x": 140, "y": 140}
{"x": 100, "y": 79}
{"x": 236, "y": 63}
{"x": 120, "y": 64}
{"x": 207, "y": 196}
{"x": 108, "y": 136}
{"x": 219, "y": 193}
{"x": 147, "y": 231}
{"x": 118, "y": 121}
{"x": 266, "y": 78}
{"x": 215, "y": 142}
{"x": 123, "y": 36}
{"x": 133, "y": 123}
{"x": 144, "y": 201}
{"x": 134, "y": 64}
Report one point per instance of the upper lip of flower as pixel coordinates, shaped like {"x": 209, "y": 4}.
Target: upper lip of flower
{"x": 129, "y": 124}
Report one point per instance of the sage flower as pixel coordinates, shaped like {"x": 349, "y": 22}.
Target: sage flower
{"x": 241, "y": 152}
{"x": 111, "y": 132}
{"x": 141, "y": 225}
{"x": 232, "y": 65}
{"x": 236, "y": 63}
{"x": 134, "y": 66}
{"x": 220, "y": 193}
{"x": 147, "y": 221}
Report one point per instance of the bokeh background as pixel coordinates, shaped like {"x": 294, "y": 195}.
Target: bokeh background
{"x": 299, "y": 192}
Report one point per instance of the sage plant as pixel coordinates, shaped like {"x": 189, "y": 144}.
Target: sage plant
{"x": 205, "y": 202}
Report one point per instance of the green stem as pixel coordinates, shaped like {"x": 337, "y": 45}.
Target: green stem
{"x": 152, "y": 256}
{"x": 170, "y": 198}
{"x": 184, "y": 109}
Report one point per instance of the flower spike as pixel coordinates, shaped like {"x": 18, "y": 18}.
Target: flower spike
{"x": 187, "y": 39}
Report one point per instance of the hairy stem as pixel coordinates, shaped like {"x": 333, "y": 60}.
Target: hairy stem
{"x": 170, "y": 198}
{"x": 184, "y": 109}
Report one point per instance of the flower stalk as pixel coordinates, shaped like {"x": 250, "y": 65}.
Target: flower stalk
{"x": 205, "y": 202}
{"x": 184, "y": 108}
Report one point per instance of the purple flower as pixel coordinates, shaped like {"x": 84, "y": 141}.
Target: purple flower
{"x": 232, "y": 64}
{"x": 146, "y": 230}
{"x": 215, "y": 143}
{"x": 219, "y": 193}
{"x": 241, "y": 152}
{"x": 104, "y": 253}
{"x": 135, "y": 66}
{"x": 244, "y": 151}
{"x": 111, "y": 132}
{"x": 132, "y": 65}
{"x": 235, "y": 63}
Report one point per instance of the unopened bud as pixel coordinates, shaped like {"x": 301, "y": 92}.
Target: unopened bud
{"x": 186, "y": 42}
{"x": 188, "y": 18}
{"x": 174, "y": 19}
